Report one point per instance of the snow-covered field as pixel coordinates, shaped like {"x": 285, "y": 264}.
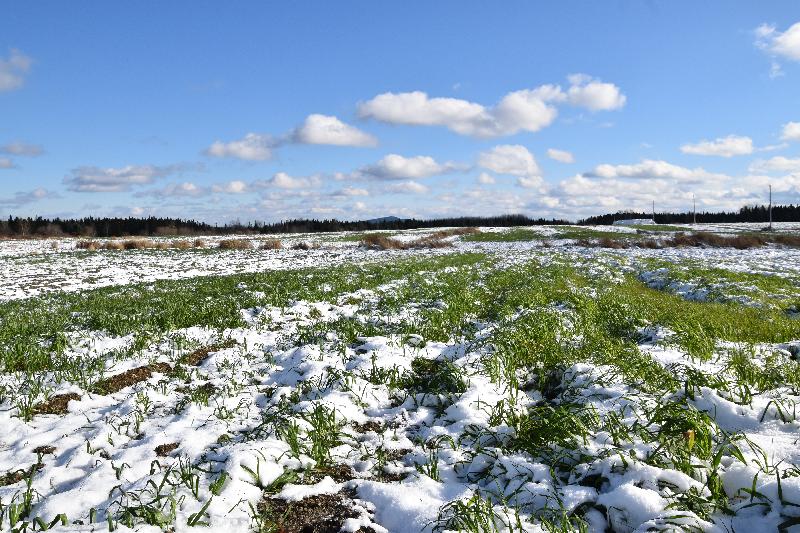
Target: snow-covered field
{"x": 519, "y": 385}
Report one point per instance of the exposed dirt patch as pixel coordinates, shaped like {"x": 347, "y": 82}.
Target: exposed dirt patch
{"x": 163, "y": 450}
{"x": 56, "y": 405}
{"x": 339, "y": 473}
{"x": 130, "y": 377}
{"x": 16, "y": 476}
{"x": 369, "y": 426}
{"x": 201, "y": 354}
{"x": 324, "y": 513}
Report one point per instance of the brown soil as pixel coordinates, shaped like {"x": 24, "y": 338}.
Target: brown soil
{"x": 369, "y": 425}
{"x": 324, "y": 513}
{"x": 56, "y": 405}
{"x": 201, "y": 354}
{"x": 163, "y": 450}
{"x": 130, "y": 377}
{"x": 16, "y": 476}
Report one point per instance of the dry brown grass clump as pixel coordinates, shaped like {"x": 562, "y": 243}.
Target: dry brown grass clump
{"x": 181, "y": 245}
{"x": 271, "y": 244}
{"x": 441, "y": 234}
{"x": 378, "y": 241}
{"x": 87, "y": 245}
{"x": 235, "y": 244}
{"x": 199, "y": 243}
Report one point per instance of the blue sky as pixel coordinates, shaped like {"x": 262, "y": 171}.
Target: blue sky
{"x": 267, "y": 111}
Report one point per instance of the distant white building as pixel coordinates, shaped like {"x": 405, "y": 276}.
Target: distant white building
{"x": 635, "y": 222}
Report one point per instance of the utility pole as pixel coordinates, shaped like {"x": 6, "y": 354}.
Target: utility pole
{"x": 654, "y": 211}
{"x": 770, "y": 207}
{"x": 694, "y": 209}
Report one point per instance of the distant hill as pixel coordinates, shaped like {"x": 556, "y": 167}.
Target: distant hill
{"x": 384, "y": 220}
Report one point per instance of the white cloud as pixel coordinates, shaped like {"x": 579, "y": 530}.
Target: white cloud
{"x": 791, "y": 131}
{"x": 650, "y": 169}
{"x": 252, "y": 147}
{"x": 96, "y": 179}
{"x": 486, "y": 179}
{"x": 24, "y": 198}
{"x": 594, "y": 95}
{"x": 186, "y": 189}
{"x": 6, "y": 163}
{"x": 531, "y": 182}
{"x": 232, "y": 187}
{"x": 776, "y": 164}
{"x": 523, "y": 110}
{"x": 512, "y": 159}
{"x": 560, "y": 155}
{"x": 282, "y": 180}
{"x": 782, "y": 44}
{"x": 395, "y": 166}
{"x": 13, "y": 70}
{"x": 408, "y": 187}
{"x": 325, "y": 129}
{"x": 722, "y": 146}
{"x": 350, "y": 191}
{"x": 22, "y": 149}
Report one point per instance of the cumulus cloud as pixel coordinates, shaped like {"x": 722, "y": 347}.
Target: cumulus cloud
{"x": 776, "y": 164}
{"x": 350, "y": 191}
{"x": 96, "y": 179}
{"x": 651, "y": 169}
{"x": 783, "y": 44}
{"x": 232, "y": 187}
{"x": 561, "y": 156}
{"x": 13, "y": 70}
{"x": 20, "y": 148}
{"x": 24, "y": 198}
{"x": 722, "y": 146}
{"x": 251, "y": 147}
{"x": 779, "y": 45}
{"x": 395, "y": 166}
{"x": 186, "y": 189}
{"x": 6, "y": 163}
{"x": 531, "y": 182}
{"x": 523, "y": 110}
{"x": 513, "y": 159}
{"x": 326, "y": 129}
{"x": 791, "y": 131}
{"x": 485, "y": 178}
{"x": 408, "y": 187}
{"x": 593, "y": 94}
{"x": 282, "y": 180}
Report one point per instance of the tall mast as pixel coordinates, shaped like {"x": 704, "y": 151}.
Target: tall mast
{"x": 694, "y": 209}
{"x": 770, "y": 206}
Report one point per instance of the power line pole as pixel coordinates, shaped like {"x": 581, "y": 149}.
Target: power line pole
{"x": 654, "y": 211}
{"x": 694, "y": 209}
{"x": 770, "y": 207}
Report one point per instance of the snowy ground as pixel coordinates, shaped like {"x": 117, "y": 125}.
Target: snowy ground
{"x": 509, "y": 386}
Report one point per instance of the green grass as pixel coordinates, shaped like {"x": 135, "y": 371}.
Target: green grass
{"x": 32, "y": 330}
{"x": 512, "y": 235}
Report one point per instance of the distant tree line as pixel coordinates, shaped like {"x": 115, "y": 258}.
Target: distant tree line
{"x": 154, "y": 226}
{"x": 751, "y": 213}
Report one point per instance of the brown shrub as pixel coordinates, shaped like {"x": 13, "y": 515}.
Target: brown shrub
{"x": 271, "y": 244}
{"x": 302, "y": 245}
{"x": 235, "y": 244}
{"x": 181, "y": 245}
{"x": 648, "y": 243}
{"x": 787, "y": 240}
{"x": 199, "y": 243}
